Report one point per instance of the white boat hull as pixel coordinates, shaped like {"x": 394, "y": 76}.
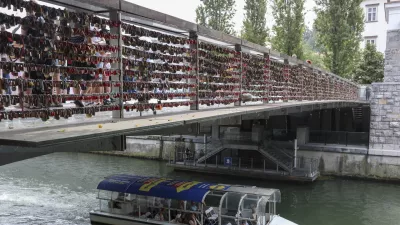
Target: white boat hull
{"x": 103, "y": 218}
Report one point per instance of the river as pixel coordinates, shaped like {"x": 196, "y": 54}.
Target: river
{"x": 60, "y": 189}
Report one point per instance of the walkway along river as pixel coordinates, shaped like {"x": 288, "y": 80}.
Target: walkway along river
{"x": 60, "y": 189}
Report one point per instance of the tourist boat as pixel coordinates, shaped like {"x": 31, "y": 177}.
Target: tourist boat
{"x": 128, "y": 199}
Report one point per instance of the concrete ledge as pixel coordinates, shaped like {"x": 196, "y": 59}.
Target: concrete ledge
{"x": 378, "y": 152}
{"x": 264, "y": 175}
{"x": 334, "y": 148}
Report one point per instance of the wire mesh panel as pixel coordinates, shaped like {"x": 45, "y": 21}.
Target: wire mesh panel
{"x": 254, "y": 86}
{"x": 219, "y": 75}
{"x": 92, "y": 64}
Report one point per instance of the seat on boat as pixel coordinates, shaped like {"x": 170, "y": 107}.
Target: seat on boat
{"x": 247, "y": 213}
{"x": 211, "y": 216}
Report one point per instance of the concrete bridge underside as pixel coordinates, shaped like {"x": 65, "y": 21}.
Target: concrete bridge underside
{"x": 23, "y": 144}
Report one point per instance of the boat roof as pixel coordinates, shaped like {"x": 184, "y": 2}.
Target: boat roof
{"x": 177, "y": 189}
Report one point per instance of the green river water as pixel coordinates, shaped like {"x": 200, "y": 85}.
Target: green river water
{"x": 60, "y": 189}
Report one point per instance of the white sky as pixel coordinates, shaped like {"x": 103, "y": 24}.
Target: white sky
{"x": 185, "y": 9}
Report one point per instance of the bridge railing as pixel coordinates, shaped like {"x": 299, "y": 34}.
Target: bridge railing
{"x": 155, "y": 70}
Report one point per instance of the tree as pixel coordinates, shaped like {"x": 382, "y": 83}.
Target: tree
{"x": 254, "y": 23}
{"x": 315, "y": 57}
{"x": 289, "y": 26}
{"x": 310, "y": 39}
{"x": 371, "y": 67}
{"x": 217, "y": 15}
{"x": 339, "y": 25}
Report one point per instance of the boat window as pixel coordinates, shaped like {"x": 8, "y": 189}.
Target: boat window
{"x": 262, "y": 214}
{"x": 104, "y": 194}
{"x": 248, "y": 207}
{"x": 213, "y": 199}
{"x": 120, "y": 205}
{"x": 229, "y": 208}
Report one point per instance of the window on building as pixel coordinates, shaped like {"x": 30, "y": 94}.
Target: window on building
{"x": 370, "y": 41}
{"x": 372, "y": 12}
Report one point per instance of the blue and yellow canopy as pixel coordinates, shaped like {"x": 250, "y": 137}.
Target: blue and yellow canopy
{"x": 159, "y": 187}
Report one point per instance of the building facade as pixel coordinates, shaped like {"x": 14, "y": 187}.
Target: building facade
{"x": 375, "y": 25}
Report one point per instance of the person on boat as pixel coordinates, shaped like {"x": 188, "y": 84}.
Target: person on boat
{"x": 160, "y": 215}
{"x": 193, "y": 207}
{"x": 254, "y": 215}
{"x": 244, "y": 222}
{"x": 192, "y": 219}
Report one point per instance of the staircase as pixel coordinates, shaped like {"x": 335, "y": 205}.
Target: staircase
{"x": 358, "y": 117}
{"x": 212, "y": 149}
{"x": 279, "y": 156}
{"x": 358, "y": 114}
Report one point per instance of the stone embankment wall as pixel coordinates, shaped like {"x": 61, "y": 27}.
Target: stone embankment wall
{"x": 156, "y": 147}
{"x": 356, "y": 165}
{"x": 331, "y": 162}
{"x": 385, "y": 103}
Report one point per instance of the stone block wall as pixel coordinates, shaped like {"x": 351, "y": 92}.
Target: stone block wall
{"x": 385, "y": 119}
{"x": 392, "y": 56}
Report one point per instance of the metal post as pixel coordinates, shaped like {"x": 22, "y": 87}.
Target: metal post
{"x": 216, "y": 161}
{"x": 239, "y": 162}
{"x": 267, "y": 67}
{"x": 238, "y": 48}
{"x": 286, "y": 79}
{"x": 205, "y": 149}
{"x": 264, "y": 165}
{"x": 194, "y": 46}
{"x": 251, "y": 163}
{"x": 347, "y": 137}
{"x": 277, "y": 167}
{"x": 116, "y": 16}
{"x": 295, "y": 153}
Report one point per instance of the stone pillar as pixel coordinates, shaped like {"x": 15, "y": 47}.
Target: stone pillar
{"x": 337, "y": 119}
{"x": 303, "y": 135}
{"x": 385, "y": 100}
{"x": 215, "y": 131}
{"x": 326, "y": 120}
{"x": 161, "y": 151}
{"x": 257, "y": 133}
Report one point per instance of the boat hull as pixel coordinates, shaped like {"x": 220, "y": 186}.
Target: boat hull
{"x": 103, "y": 218}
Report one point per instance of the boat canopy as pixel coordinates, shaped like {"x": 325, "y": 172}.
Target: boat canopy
{"x": 177, "y": 189}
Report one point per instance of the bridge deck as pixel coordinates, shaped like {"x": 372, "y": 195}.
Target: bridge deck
{"x": 44, "y": 137}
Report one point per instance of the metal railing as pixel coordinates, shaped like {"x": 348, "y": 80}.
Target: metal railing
{"x": 308, "y": 166}
{"x": 339, "y": 137}
{"x": 209, "y": 149}
{"x": 283, "y": 135}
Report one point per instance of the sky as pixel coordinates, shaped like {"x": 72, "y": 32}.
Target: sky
{"x": 185, "y": 9}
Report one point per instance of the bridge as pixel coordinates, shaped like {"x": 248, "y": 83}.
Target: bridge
{"x": 210, "y": 79}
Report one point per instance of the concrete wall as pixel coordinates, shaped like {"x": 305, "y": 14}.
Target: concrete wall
{"x": 356, "y": 165}
{"x": 154, "y": 148}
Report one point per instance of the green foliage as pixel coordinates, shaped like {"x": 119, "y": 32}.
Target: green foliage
{"x": 289, "y": 26}
{"x": 310, "y": 39}
{"x": 339, "y": 25}
{"x": 217, "y": 15}
{"x": 254, "y": 24}
{"x": 371, "y": 67}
